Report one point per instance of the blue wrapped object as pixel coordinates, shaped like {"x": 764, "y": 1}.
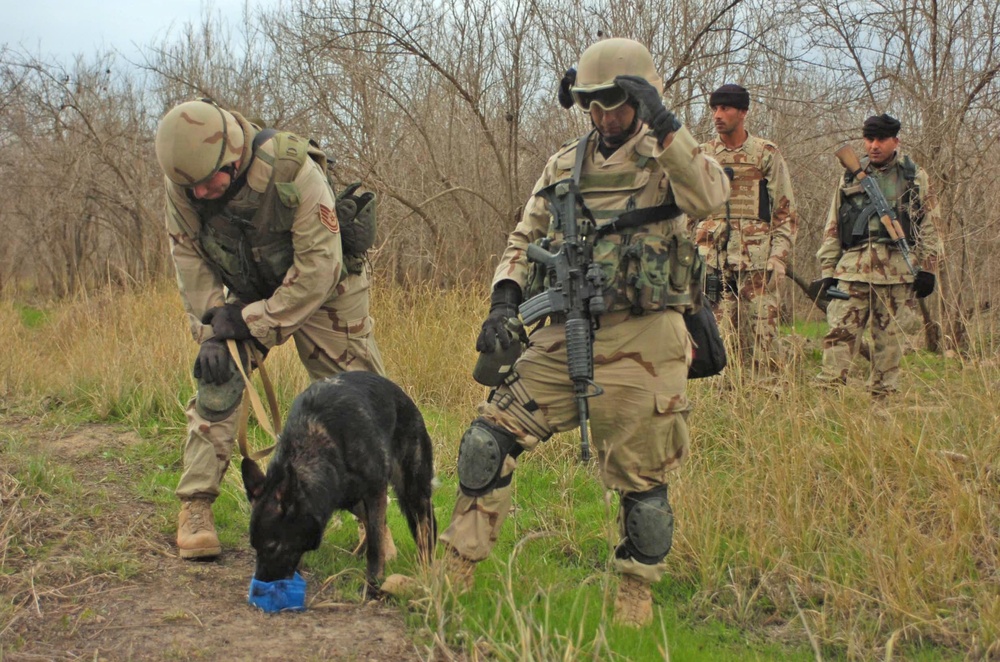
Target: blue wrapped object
{"x": 279, "y": 595}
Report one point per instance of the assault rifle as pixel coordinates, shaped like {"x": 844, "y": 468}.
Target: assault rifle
{"x": 887, "y": 214}
{"x": 574, "y": 293}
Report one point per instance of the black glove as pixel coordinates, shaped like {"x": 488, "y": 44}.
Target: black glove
{"x": 818, "y": 288}
{"x": 923, "y": 284}
{"x": 348, "y": 205}
{"x": 227, "y": 322}
{"x": 504, "y": 301}
{"x": 213, "y": 364}
{"x": 565, "y": 94}
{"x": 651, "y": 110}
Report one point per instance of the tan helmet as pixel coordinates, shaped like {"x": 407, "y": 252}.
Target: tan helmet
{"x": 195, "y": 139}
{"x": 602, "y": 62}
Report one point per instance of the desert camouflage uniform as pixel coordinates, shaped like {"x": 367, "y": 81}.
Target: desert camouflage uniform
{"x": 640, "y": 359}
{"x": 318, "y": 304}
{"x": 876, "y": 277}
{"x": 749, "y": 307}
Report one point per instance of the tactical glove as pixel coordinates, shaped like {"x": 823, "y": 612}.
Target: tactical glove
{"x": 504, "y": 301}
{"x": 565, "y": 91}
{"x": 651, "y": 110}
{"x": 818, "y": 287}
{"x": 213, "y": 365}
{"x": 348, "y": 205}
{"x": 923, "y": 284}
{"x": 227, "y": 322}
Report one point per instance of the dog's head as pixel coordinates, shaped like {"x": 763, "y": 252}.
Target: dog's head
{"x": 282, "y": 525}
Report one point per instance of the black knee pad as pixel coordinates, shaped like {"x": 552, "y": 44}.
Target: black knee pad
{"x": 649, "y": 526}
{"x": 481, "y": 456}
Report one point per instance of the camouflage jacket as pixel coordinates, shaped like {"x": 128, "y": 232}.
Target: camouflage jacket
{"x": 762, "y": 218}
{"x": 314, "y": 277}
{"x": 877, "y": 261}
{"x": 639, "y": 174}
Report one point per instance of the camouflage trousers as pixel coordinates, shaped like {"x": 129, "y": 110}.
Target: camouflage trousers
{"x": 748, "y": 315}
{"x": 336, "y": 338}
{"x": 888, "y": 308}
{"x": 639, "y": 424}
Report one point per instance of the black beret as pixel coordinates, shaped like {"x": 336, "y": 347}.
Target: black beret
{"x": 880, "y": 126}
{"x": 731, "y": 95}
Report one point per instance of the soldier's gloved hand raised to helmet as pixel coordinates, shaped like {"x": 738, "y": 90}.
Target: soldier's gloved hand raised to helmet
{"x": 651, "y": 109}
{"x": 504, "y": 301}
{"x": 227, "y": 322}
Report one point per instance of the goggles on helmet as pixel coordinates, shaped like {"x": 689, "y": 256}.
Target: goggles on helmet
{"x": 608, "y": 98}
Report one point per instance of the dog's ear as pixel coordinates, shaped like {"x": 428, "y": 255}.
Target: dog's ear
{"x": 253, "y": 479}
{"x": 287, "y": 490}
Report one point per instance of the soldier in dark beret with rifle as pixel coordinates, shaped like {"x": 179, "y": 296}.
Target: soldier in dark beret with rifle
{"x": 881, "y": 247}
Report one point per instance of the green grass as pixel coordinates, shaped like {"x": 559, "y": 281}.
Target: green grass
{"x": 814, "y": 516}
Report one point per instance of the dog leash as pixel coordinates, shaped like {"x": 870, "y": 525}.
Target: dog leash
{"x": 258, "y": 407}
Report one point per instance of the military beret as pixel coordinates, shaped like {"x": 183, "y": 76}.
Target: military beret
{"x": 880, "y": 126}
{"x": 731, "y": 95}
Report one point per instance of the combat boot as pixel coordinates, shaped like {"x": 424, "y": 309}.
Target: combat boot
{"x": 196, "y": 537}
{"x": 634, "y": 603}
{"x": 459, "y": 571}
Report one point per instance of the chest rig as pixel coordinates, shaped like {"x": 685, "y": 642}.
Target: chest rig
{"x": 858, "y": 221}
{"x": 648, "y": 264}
{"x": 749, "y": 197}
{"x": 246, "y": 235}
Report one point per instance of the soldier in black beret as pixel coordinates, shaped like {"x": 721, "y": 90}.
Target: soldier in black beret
{"x": 858, "y": 257}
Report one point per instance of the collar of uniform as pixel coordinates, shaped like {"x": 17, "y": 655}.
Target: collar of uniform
{"x": 641, "y": 143}
{"x": 721, "y": 146}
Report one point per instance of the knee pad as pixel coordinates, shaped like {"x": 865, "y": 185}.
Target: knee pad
{"x": 481, "y": 456}
{"x": 649, "y": 526}
{"x": 216, "y": 402}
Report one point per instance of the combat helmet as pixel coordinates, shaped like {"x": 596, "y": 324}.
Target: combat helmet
{"x": 195, "y": 140}
{"x": 601, "y": 62}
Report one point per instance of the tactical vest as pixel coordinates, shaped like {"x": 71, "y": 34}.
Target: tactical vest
{"x": 646, "y": 267}
{"x": 857, "y": 220}
{"x": 750, "y": 198}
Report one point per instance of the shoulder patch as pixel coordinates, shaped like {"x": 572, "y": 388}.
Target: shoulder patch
{"x": 329, "y": 218}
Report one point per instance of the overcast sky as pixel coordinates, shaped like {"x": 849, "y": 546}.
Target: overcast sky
{"x": 64, "y": 28}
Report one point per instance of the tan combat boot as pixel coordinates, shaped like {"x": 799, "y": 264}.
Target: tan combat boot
{"x": 456, "y": 571}
{"x": 196, "y": 537}
{"x": 634, "y": 603}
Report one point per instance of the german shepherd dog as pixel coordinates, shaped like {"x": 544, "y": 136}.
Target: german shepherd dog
{"x": 347, "y": 438}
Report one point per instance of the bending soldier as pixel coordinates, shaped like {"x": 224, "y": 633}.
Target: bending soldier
{"x": 748, "y": 243}
{"x": 256, "y": 243}
{"x": 858, "y": 251}
{"x": 637, "y": 160}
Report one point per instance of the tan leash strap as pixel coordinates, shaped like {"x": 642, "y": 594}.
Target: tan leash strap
{"x": 258, "y": 407}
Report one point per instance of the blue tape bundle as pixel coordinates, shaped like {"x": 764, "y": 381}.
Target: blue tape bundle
{"x": 279, "y": 595}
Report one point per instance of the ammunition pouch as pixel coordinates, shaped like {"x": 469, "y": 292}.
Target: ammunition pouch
{"x": 659, "y": 272}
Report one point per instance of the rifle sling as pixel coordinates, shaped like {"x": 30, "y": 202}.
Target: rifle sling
{"x": 638, "y": 217}
{"x": 630, "y": 219}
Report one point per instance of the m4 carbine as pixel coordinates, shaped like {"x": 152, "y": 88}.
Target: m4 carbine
{"x": 574, "y": 293}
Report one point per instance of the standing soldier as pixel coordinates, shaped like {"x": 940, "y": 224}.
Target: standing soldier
{"x": 858, "y": 251}
{"x": 747, "y": 246}
{"x": 252, "y": 211}
{"x": 641, "y": 167}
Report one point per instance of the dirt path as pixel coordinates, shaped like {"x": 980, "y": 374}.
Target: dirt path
{"x": 62, "y": 601}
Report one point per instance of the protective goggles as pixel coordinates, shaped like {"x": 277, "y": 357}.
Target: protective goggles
{"x": 608, "y": 98}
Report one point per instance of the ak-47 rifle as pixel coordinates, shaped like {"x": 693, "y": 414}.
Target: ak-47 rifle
{"x": 575, "y": 292}
{"x": 887, "y": 214}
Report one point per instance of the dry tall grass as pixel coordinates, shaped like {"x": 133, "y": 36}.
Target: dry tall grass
{"x": 863, "y": 526}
